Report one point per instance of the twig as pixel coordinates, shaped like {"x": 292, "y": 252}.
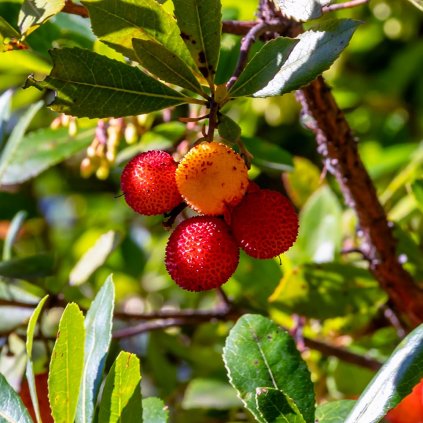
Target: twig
{"x": 338, "y": 147}
{"x": 343, "y": 354}
{"x": 75, "y": 9}
{"x": 340, "y": 6}
{"x": 246, "y": 44}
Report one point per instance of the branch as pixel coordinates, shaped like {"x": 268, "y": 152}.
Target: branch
{"x": 346, "y": 5}
{"x": 338, "y": 147}
{"x": 75, "y": 9}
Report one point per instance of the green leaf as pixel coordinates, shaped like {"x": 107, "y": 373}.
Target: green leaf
{"x": 66, "y": 365}
{"x": 16, "y": 137}
{"x": 122, "y": 384}
{"x": 42, "y": 149}
{"x": 328, "y": 290}
{"x": 13, "y": 233}
{"x": 22, "y": 62}
{"x": 94, "y": 257}
{"x": 91, "y": 85}
{"x": 268, "y": 156}
{"x": 393, "y": 382}
{"x": 98, "y": 334}
{"x": 154, "y": 411}
{"x": 269, "y": 359}
{"x": 334, "y": 412}
{"x": 29, "y": 373}
{"x": 417, "y": 190}
{"x": 166, "y": 65}
{"x": 6, "y": 33}
{"x": 315, "y": 52}
{"x": 302, "y": 10}
{"x": 320, "y": 236}
{"x": 210, "y": 393}
{"x": 117, "y": 23}
{"x": 200, "y": 25}
{"x": 36, "y": 266}
{"x": 276, "y": 407}
{"x": 12, "y": 409}
{"x": 263, "y": 67}
{"x": 229, "y": 129}
{"x": 35, "y": 12}
{"x": 417, "y": 3}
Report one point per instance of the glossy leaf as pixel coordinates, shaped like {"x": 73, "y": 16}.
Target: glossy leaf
{"x": 91, "y": 85}
{"x": 12, "y": 234}
{"x": 328, "y": 290}
{"x": 268, "y": 156}
{"x": 16, "y": 137}
{"x": 302, "y": 10}
{"x": 35, "y": 12}
{"x": 334, "y": 411}
{"x": 154, "y": 410}
{"x": 393, "y": 382}
{"x": 42, "y": 149}
{"x": 94, "y": 257}
{"x": 315, "y": 52}
{"x": 165, "y": 64}
{"x": 117, "y": 23}
{"x": 319, "y": 237}
{"x": 38, "y": 265}
{"x": 276, "y": 407}
{"x": 29, "y": 373}
{"x": 98, "y": 334}
{"x": 66, "y": 365}
{"x": 229, "y": 129}
{"x": 270, "y": 359}
{"x": 200, "y": 26}
{"x": 11, "y": 408}
{"x": 122, "y": 384}
{"x": 263, "y": 67}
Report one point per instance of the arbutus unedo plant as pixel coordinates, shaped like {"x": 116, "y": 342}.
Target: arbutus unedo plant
{"x": 165, "y": 102}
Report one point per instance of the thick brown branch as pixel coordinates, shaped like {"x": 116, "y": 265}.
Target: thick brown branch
{"x": 338, "y": 147}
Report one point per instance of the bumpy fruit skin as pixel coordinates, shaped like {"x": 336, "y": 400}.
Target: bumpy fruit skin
{"x": 265, "y": 224}
{"x": 201, "y": 253}
{"x": 148, "y": 183}
{"x": 212, "y": 177}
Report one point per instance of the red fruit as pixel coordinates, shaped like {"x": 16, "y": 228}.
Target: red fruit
{"x": 201, "y": 253}
{"x": 148, "y": 183}
{"x": 410, "y": 409}
{"x": 264, "y": 223}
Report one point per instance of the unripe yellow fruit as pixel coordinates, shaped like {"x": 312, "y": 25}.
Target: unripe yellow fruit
{"x": 211, "y": 177}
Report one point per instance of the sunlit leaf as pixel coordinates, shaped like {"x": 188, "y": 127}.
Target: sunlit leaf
{"x": 302, "y": 10}
{"x": 417, "y": 3}
{"x": 154, "y": 411}
{"x": 393, "y": 382}
{"x": 88, "y": 84}
{"x": 165, "y": 64}
{"x": 334, "y": 411}
{"x": 263, "y": 67}
{"x": 200, "y": 26}
{"x": 66, "y": 365}
{"x": 315, "y": 52}
{"x": 94, "y": 257}
{"x": 121, "y": 399}
{"x": 98, "y": 333}
{"x": 11, "y": 408}
{"x": 328, "y": 290}
{"x": 269, "y": 359}
{"x": 35, "y": 12}
{"x": 29, "y": 373}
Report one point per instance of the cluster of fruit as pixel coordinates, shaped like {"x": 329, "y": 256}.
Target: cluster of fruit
{"x": 203, "y": 251}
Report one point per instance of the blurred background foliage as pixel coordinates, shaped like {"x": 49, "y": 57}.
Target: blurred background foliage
{"x": 377, "y": 81}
